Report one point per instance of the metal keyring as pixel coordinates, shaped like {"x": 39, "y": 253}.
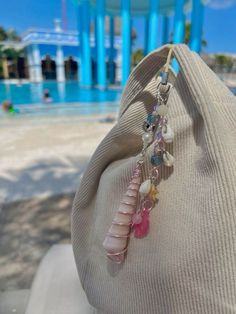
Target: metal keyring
{"x": 151, "y": 203}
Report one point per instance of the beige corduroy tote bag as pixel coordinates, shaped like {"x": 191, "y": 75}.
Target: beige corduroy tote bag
{"x": 187, "y": 262}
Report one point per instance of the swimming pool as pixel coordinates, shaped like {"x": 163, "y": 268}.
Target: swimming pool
{"x": 68, "y": 98}
{"x": 31, "y": 93}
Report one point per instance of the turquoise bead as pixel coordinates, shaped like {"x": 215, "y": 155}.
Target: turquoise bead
{"x": 151, "y": 119}
{"x": 156, "y": 160}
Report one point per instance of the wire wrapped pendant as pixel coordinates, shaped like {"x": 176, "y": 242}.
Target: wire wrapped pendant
{"x": 116, "y": 240}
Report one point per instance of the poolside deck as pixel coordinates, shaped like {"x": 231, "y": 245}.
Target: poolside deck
{"x": 46, "y": 156}
{"x": 41, "y": 162}
{"x": 27, "y": 230}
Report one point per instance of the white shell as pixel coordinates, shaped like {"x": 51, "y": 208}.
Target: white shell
{"x": 168, "y": 159}
{"x": 112, "y": 244}
{"x": 162, "y": 110}
{"x": 167, "y": 134}
{"x": 145, "y": 187}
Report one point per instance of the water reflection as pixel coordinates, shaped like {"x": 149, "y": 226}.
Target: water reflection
{"x": 36, "y": 92}
{"x": 61, "y": 91}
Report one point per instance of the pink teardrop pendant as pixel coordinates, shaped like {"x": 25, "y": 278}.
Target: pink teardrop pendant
{"x": 141, "y": 223}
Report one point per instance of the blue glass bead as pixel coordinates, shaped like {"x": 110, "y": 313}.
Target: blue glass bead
{"x": 151, "y": 119}
{"x": 156, "y": 160}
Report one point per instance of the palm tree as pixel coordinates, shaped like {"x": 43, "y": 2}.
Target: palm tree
{"x": 187, "y": 35}
{"x": 137, "y": 56}
{"x": 12, "y": 35}
{"x": 223, "y": 62}
{"x": 3, "y": 34}
{"x": 8, "y": 53}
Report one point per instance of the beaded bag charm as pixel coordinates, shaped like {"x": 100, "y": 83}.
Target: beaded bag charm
{"x": 140, "y": 197}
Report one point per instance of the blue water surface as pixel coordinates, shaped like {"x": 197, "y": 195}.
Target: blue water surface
{"x": 67, "y": 99}
{"x": 31, "y": 93}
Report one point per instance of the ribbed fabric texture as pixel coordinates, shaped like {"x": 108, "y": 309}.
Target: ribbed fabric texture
{"x": 187, "y": 263}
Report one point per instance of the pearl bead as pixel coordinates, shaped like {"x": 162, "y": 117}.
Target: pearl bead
{"x": 147, "y": 137}
{"x": 162, "y": 110}
{"x": 141, "y": 157}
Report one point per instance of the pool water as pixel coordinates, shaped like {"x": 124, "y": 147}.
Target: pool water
{"x": 68, "y": 98}
{"x": 31, "y": 93}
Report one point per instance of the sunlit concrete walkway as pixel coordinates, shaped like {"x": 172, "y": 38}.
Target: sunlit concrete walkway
{"x": 45, "y": 156}
{"x": 41, "y": 162}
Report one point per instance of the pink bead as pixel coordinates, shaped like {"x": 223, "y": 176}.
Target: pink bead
{"x": 137, "y": 218}
{"x": 159, "y": 136}
{"x": 136, "y": 173}
{"x": 141, "y": 230}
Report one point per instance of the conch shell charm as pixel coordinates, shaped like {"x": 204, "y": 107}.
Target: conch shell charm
{"x": 116, "y": 240}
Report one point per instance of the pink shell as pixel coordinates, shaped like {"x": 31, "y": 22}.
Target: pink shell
{"x": 132, "y": 192}
{"x": 116, "y": 240}
{"x": 133, "y": 186}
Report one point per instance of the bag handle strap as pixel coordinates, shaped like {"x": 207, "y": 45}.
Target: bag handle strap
{"x": 148, "y": 68}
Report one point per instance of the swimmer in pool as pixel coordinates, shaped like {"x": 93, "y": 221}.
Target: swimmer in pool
{"x": 47, "y": 97}
{"x": 7, "y": 107}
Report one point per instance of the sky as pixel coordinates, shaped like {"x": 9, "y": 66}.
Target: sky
{"x": 219, "y": 22}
